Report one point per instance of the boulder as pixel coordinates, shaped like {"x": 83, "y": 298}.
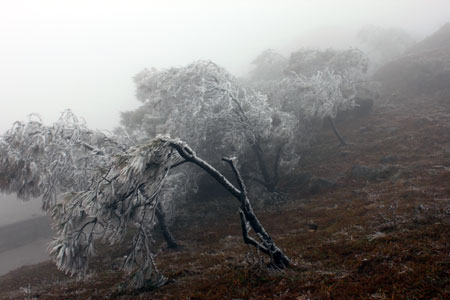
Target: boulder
{"x": 318, "y": 185}
{"x": 381, "y": 173}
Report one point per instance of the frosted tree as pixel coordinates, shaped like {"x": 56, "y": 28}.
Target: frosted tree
{"x": 307, "y": 62}
{"x": 127, "y": 195}
{"x": 204, "y": 105}
{"x": 319, "y": 96}
{"x": 122, "y": 194}
{"x": 46, "y": 161}
{"x": 351, "y": 65}
{"x": 319, "y": 84}
{"x": 38, "y": 160}
{"x": 268, "y": 65}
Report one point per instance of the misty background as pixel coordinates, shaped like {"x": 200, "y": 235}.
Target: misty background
{"x": 83, "y": 55}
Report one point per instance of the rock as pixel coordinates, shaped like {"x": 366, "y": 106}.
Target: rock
{"x": 363, "y": 107}
{"x": 388, "y": 226}
{"x": 390, "y": 158}
{"x": 386, "y": 172}
{"x": 345, "y": 153}
{"x": 391, "y": 130}
{"x": 365, "y": 172}
{"x": 363, "y": 129}
{"x": 360, "y": 193}
{"x": 422, "y": 219}
{"x": 319, "y": 185}
{"x": 423, "y": 121}
{"x": 300, "y": 180}
{"x": 312, "y": 227}
{"x": 303, "y": 179}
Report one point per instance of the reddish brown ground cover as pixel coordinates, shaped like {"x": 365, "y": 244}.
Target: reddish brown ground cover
{"x": 376, "y": 238}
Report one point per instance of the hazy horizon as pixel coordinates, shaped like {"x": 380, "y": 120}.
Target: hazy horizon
{"x": 83, "y": 54}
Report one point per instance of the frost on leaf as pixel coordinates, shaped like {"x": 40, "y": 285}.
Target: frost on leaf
{"x": 125, "y": 195}
{"x": 39, "y": 160}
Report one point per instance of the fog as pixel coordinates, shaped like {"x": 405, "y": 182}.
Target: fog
{"x": 83, "y": 54}
{"x": 14, "y": 210}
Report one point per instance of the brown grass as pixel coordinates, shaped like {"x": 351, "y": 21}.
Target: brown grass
{"x": 376, "y": 239}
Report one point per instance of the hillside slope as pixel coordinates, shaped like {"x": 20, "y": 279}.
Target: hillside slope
{"x": 382, "y": 233}
{"x": 423, "y": 69}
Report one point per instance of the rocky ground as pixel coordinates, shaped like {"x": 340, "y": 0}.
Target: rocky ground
{"x": 379, "y": 228}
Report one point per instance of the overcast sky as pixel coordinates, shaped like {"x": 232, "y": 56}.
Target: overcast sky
{"x": 83, "y": 54}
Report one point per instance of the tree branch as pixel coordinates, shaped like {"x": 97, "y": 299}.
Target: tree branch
{"x": 336, "y": 132}
{"x": 247, "y": 239}
{"x": 232, "y": 162}
{"x": 177, "y": 164}
{"x": 188, "y": 154}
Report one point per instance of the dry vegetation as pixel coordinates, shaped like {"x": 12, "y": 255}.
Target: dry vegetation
{"x": 382, "y": 235}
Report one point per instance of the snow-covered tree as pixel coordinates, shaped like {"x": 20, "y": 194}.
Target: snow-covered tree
{"x": 319, "y": 84}
{"x": 268, "y": 65}
{"x": 38, "y": 160}
{"x": 317, "y": 97}
{"x": 44, "y": 161}
{"x": 349, "y": 63}
{"x": 105, "y": 192}
{"x": 204, "y": 105}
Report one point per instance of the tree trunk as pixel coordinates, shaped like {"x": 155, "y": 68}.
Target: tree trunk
{"x": 261, "y": 163}
{"x": 171, "y": 243}
{"x": 268, "y": 181}
{"x": 336, "y": 132}
{"x": 266, "y": 244}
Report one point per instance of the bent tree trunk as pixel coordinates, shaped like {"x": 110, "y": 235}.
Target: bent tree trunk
{"x": 266, "y": 243}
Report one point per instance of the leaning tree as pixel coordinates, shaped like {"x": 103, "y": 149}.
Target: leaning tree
{"x": 45, "y": 161}
{"x": 102, "y": 191}
{"x": 204, "y": 105}
{"x": 42, "y": 161}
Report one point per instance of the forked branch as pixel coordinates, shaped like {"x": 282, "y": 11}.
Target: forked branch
{"x": 267, "y": 245}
